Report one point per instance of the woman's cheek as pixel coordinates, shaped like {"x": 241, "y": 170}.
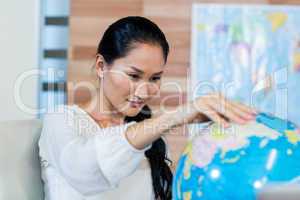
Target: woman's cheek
{"x": 154, "y": 89}
{"x": 122, "y": 85}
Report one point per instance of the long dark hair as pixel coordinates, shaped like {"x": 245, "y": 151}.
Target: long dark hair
{"x": 117, "y": 41}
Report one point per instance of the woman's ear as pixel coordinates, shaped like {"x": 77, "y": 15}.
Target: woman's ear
{"x": 100, "y": 65}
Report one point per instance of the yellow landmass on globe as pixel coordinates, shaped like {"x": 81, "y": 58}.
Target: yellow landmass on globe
{"x": 187, "y": 195}
{"x": 292, "y": 136}
{"x": 231, "y": 160}
{"x": 200, "y": 27}
{"x": 218, "y": 133}
{"x": 187, "y": 168}
{"x": 188, "y": 148}
{"x": 277, "y": 20}
{"x": 297, "y": 61}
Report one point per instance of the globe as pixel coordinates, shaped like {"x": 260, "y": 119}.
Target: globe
{"x": 237, "y": 162}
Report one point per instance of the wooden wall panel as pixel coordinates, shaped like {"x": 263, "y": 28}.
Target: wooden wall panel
{"x": 90, "y": 18}
{"x": 106, "y": 8}
{"x": 95, "y": 26}
{"x": 289, "y": 2}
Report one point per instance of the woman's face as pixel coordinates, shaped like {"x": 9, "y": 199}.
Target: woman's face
{"x": 129, "y": 82}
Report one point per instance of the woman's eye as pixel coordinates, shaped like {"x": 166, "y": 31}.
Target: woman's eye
{"x": 134, "y": 76}
{"x": 154, "y": 79}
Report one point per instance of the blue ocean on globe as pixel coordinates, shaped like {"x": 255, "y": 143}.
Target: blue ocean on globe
{"x": 237, "y": 162}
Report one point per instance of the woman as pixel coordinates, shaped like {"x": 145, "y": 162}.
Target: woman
{"x": 86, "y": 150}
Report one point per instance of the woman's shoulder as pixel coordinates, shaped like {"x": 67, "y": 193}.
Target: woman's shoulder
{"x": 59, "y": 113}
{"x": 62, "y": 109}
{"x": 71, "y": 117}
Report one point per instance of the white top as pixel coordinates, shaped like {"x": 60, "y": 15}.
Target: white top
{"x": 81, "y": 161}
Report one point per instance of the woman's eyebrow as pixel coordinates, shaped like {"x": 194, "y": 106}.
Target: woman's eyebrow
{"x": 142, "y": 72}
{"x": 137, "y": 70}
{"x": 158, "y": 73}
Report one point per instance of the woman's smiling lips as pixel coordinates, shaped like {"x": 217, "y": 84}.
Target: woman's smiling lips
{"x": 136, "y": 104}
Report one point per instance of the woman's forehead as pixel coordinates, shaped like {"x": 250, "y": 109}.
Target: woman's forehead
{"x": 144, "y": 58}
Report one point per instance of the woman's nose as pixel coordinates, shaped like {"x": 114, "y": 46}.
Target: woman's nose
{"x": 146, "y": 90}
{"x": 142, "y": 90}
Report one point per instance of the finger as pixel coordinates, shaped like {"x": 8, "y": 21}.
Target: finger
{"x": 224, "y": 108}
{"x": 214, "y": 116}
{"x": 241, "y": 111}
{"x": 240, "y": 105}
{"x": 245, "y": 108}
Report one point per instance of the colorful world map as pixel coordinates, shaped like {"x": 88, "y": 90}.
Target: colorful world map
{"x": 236, "y": 163}
{"x": 249, "y": 53}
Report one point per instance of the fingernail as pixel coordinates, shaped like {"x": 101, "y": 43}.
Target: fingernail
{"x": 250, "y": 116}
{"x": 243, "y": 121}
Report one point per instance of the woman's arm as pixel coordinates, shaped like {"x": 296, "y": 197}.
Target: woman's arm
{"x": 215, "y": 107}
{"x": 143, "y": 133}
{"x": 90, "y": 163}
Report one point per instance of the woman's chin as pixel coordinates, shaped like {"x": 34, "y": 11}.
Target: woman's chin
{"x": 132, "y": 112}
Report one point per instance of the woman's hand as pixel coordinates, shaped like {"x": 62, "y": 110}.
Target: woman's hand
{"x": 214, "y": 107}
{"x": 217, "y": 108}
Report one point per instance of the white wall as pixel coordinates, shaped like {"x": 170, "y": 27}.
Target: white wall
{"x": 19, "y": 46}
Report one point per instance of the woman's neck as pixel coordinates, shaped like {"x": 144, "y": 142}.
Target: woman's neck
{"x": 100, "y": 108}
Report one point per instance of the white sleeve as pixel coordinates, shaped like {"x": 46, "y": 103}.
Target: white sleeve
{"x": 115, "y": 155}
{"x": 91, "y": 163}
